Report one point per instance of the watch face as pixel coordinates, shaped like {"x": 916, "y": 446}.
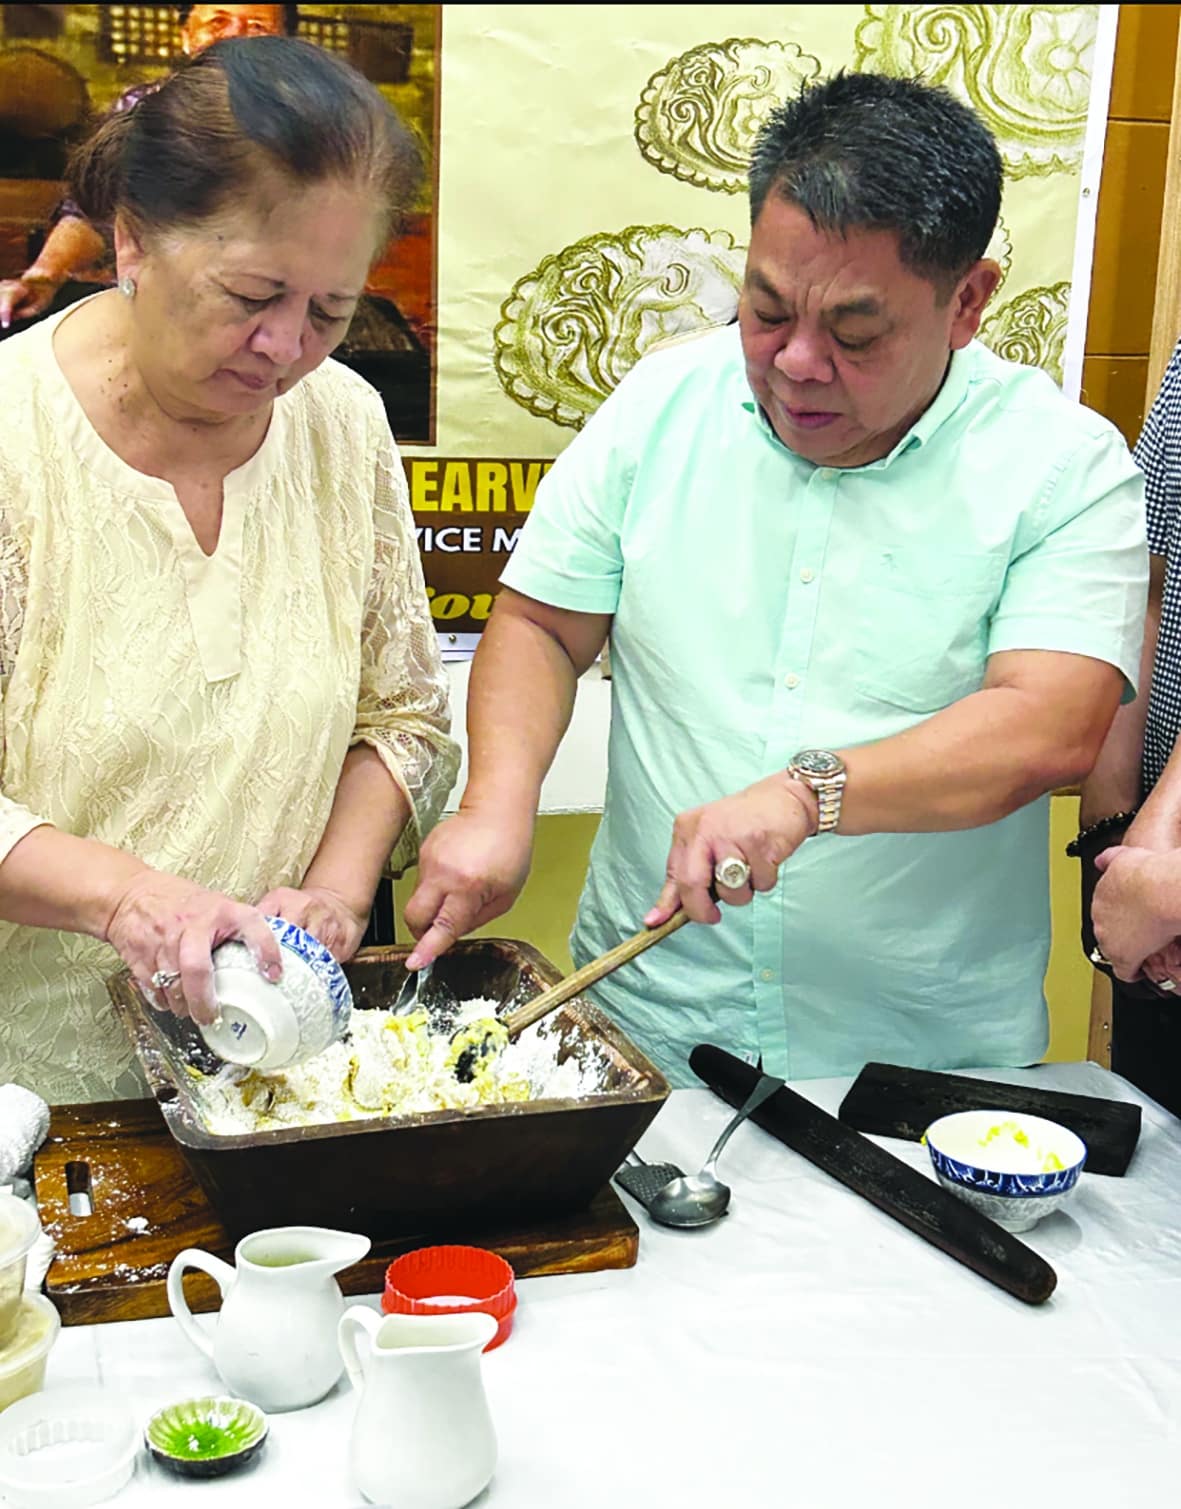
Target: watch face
{"x": 818, "y": 762}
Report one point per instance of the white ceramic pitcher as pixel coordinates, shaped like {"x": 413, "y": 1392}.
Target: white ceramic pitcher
{"x": 275, "y": 1342}
{"x": 422, "y": 1437}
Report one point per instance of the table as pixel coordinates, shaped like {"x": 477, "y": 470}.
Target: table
{"x": 807, "y": 1352}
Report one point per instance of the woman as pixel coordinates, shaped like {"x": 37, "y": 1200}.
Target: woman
{"x": 1130, "y": 843}
{"x": 221, "y": 692}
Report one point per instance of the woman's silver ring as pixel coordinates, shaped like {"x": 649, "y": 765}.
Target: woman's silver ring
{"x": 1098, "y": 956}
{"x": 732, "y": 872}
{"x": 1166, "y": 984}
{"x": 165, "y": 979}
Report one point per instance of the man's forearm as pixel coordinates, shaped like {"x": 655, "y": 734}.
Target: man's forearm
{"x": 971, "y": 764}
{"x": 520, "y": 699}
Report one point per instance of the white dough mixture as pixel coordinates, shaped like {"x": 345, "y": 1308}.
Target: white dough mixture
{"x": 391, "y": 1065}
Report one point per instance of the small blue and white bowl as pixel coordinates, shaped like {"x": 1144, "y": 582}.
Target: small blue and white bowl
{"x": 269, "y": 1025}
{"x": 1011, "y": 1167}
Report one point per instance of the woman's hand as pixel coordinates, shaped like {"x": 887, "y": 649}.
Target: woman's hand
{"x": 762, "y": 826}
{"x": 163, "y": 924}
{"x": 470, "y": 870}
{"x": 323, "y": 913}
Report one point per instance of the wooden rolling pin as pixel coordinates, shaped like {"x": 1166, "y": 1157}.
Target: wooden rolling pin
{"x": 480, "y": 1040}
{"x": 902, "y": 1192}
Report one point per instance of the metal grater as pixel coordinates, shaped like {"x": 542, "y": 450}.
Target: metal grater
{"x": 643, "y": 1180}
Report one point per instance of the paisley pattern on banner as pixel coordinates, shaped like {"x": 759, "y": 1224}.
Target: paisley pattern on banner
{"x": 1031, "y": 328}
{"x": 698, "y": 117}
{"x": 572, "y": 327}
{"x": 1025, "y": 68}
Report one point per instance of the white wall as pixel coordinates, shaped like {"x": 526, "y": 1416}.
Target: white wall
{"x": 578, "y": 776}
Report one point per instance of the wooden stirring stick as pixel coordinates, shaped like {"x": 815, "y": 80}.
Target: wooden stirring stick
{"x": 480, "y": 1041}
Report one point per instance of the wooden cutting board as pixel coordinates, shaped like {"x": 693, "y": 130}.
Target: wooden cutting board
{"x": 897, "y": 1102}
{"x": 113, "y": 1263}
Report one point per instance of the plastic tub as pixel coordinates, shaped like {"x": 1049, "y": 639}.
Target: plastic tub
{"x": 19, "y": 1229}
{"x": 452, "y": 1281}
{"x": 66, "y": 1448}
{"x": 22, "y": 1361}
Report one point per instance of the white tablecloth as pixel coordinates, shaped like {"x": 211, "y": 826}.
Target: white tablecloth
{"x": 807, "y": 1350}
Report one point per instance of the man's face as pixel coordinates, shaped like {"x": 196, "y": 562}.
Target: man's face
{"x": 844, "y": 345}
{"x": 206, "y": 24}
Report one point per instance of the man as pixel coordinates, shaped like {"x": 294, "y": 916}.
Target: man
{"x": 872, "y": 593}
{"x": 73, "y": 244}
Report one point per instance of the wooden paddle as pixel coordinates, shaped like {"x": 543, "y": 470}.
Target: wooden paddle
{"x": 481, "y": 1040}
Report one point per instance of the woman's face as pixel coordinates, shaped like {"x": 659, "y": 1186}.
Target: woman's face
{"x": 231, "y": 313}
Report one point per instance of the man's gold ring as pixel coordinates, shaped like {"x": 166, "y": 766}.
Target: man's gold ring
{"x": 732, "y": 872}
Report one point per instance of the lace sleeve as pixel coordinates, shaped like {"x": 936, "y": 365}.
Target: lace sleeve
{"x": 403, "y": 709}
{"x": 15, "y": 820}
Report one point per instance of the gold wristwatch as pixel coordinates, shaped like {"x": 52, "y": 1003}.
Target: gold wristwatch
{"x": 825, "y": 773}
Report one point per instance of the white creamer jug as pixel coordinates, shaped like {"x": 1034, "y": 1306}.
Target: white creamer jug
{"x": 275, "y": 1340}
{"x": 423, "y": 1436}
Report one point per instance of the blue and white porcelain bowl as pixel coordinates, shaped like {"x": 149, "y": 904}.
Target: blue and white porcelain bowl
{"x": 1011, "y": 1167}
{"x": 271, "y": 1025}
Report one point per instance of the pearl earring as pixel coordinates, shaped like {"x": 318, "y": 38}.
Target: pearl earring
{"x": 127, "y": 286}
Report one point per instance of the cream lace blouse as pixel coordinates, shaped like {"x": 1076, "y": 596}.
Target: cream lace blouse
{"x": 195, "y": 710}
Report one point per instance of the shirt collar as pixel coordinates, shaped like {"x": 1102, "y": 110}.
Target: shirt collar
{"x": 938, "y": 411}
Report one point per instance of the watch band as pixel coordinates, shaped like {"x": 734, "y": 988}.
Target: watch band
{"x": 829, "y": 793}
{"x": 829, "y": 787}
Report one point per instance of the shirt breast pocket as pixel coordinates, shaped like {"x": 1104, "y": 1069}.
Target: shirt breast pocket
{"x": 922, "y": 628}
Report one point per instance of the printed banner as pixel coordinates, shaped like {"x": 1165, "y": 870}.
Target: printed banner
{"x": 592, "y": 201}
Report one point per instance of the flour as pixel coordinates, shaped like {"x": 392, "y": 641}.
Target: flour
{"x": 388, "y": 1066}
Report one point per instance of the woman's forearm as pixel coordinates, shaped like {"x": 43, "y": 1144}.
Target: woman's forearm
{"x": 368, "y": 815}
{"x": 54, "y": 879}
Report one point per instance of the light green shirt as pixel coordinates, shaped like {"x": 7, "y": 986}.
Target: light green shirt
{"x": 764, "y": 605}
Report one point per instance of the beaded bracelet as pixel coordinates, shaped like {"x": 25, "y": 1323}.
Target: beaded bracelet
{"x": 1104, "y": 825}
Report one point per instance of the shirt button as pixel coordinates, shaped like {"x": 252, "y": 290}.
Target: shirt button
{"x": 791, "y": 682}
{"x": 807, "y": 574}
{"x": 826, "y": 474}
{"x": 767, "y": 974}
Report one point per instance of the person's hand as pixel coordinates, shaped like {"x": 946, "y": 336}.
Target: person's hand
{"x": 1162, "y": 970}
{"x": 762, "y": 826}
{"x": 321, "y": 912}
{"x": 470, "y": 870}
{"x": 1129, "y": 927}
{"x": 22, "y": 298}
{"x": 164, "y": 924}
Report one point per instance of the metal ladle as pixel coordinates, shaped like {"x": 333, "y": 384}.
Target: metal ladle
{"x": 698, "y": 1199}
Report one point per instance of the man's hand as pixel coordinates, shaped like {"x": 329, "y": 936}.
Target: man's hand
{"x": 323, "y": 913}
{"x": 1130, "y": 925}
{"x": 470, "y": 870}
{"x": 763, "y": 826}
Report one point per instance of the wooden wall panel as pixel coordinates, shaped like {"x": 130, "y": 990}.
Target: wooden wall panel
{"x": 1142, "y": 85}
{"x": 1116, "y": 386}
{"x": 1127, "y": 234}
